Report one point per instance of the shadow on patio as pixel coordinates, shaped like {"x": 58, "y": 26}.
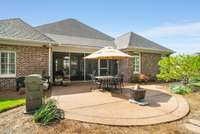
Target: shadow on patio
{"x": 154, "y": 97}
{"x": 73, "y": 88}
{"x": 81, "y": 103}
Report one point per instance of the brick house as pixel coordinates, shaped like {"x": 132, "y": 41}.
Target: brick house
{"x": 62, "y": 45}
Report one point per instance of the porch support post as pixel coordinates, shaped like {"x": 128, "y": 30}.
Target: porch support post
{"x": 108, "y": 67}
{"x": 69, "y": 54}
{"x": 118, "y": 66}
{"x": 99, "y": 67}
{"x": 84, "y": 70}
{"x": 50, "y": 72}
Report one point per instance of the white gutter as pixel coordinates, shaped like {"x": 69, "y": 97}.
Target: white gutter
{"x": 77, "y": 46}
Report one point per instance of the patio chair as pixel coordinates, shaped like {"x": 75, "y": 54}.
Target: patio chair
{"x": 20, "y": 83}
{"x": 121, "y": 80}
{"x": 46, "y": 80}
{"x": 66, "y": 78}
{"x": 94, "y": 81}
{"x": 59, "y": 75}
{"x": 115, "y": 82}
{"x": 118, "y": 82}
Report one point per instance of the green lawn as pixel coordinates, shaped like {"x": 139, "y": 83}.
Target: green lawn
{"x": 6, "y": 104}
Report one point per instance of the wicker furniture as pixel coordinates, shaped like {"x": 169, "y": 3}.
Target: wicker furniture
{"x": 94, "y": 81}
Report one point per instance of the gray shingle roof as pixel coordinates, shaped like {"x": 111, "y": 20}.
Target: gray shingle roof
{"x": 133, "y": 40}
{"x": 72, "y": 27}
{"x": 73, "y": 32}
{"x": 80, "y": 41}
{"x": 18, "y": 29}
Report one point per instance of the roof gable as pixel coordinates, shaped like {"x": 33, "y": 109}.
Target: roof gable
{"x": 72, "y": 27}
{"x": 133, "y": 40}
{"x": 18, "y": 29}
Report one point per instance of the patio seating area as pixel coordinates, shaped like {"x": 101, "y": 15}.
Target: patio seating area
{"x": 112, "y": 108}
{"x": 108, "y": 82}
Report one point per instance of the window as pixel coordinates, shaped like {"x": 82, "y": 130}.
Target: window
{"x": 136, "y": 63}
{"x": 7, "y": 64}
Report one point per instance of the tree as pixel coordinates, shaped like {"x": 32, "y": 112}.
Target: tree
{"x": 181, "y": 67}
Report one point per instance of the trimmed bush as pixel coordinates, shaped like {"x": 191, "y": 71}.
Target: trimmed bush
{"x": 48, "y": 113}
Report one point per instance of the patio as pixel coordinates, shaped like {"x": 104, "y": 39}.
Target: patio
{"x": 102, "y": 107}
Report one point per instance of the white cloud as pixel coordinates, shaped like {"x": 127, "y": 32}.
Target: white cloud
{"x": 185, "y": 48}
{"x": 183, "y": 38}
{"x": 186, "y": 30}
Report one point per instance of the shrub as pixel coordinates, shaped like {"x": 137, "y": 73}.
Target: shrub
{"x": 140, "y": 78}
{"x": 48, "y": 113}
{"x": 180, "y": 67}
{"x": 195, "y": 82}
{"x": 180, "y": 89}
{"x": 135, "y": 78}
{"x": 144, "y": 78}
{"x": 195, "y": 79}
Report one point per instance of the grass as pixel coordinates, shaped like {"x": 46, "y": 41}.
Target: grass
{"x": 6, "y": 104}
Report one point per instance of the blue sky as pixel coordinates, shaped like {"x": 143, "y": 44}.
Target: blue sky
{"x": 172, "y": 23}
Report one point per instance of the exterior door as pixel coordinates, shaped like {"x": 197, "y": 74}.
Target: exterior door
{"x": 77, "y": 66}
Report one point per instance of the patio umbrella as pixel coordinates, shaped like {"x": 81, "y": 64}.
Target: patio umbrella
{"x": 108, "y": 53}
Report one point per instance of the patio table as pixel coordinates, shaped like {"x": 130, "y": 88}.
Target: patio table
{"x": 106, "y": 81}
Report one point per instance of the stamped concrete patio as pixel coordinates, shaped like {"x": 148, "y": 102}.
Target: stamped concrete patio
{"x": 102, "y": 107}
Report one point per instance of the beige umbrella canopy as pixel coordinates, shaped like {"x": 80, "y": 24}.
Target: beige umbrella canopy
{"x": 108, "y": 53}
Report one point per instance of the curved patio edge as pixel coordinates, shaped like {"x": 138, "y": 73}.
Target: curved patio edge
{"x": 181, "y": 111}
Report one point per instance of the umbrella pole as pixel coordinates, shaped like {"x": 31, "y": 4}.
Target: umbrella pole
{"x": 99, "y": 67}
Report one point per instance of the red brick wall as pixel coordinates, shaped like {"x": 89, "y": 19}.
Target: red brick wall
{"x": 29, "y": 60}
{"x": 125, "y": 68}
{"x": 149, "y": 65}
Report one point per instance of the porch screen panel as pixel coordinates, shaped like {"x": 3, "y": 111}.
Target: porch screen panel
{"x": 113, "y": 69}
{"x": 61, "y": 64}
{"x": 104, "y": 67}
{"x": 91, "y": 68}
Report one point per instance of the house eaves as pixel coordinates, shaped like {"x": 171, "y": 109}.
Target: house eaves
{"x": 26, "y": 42}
